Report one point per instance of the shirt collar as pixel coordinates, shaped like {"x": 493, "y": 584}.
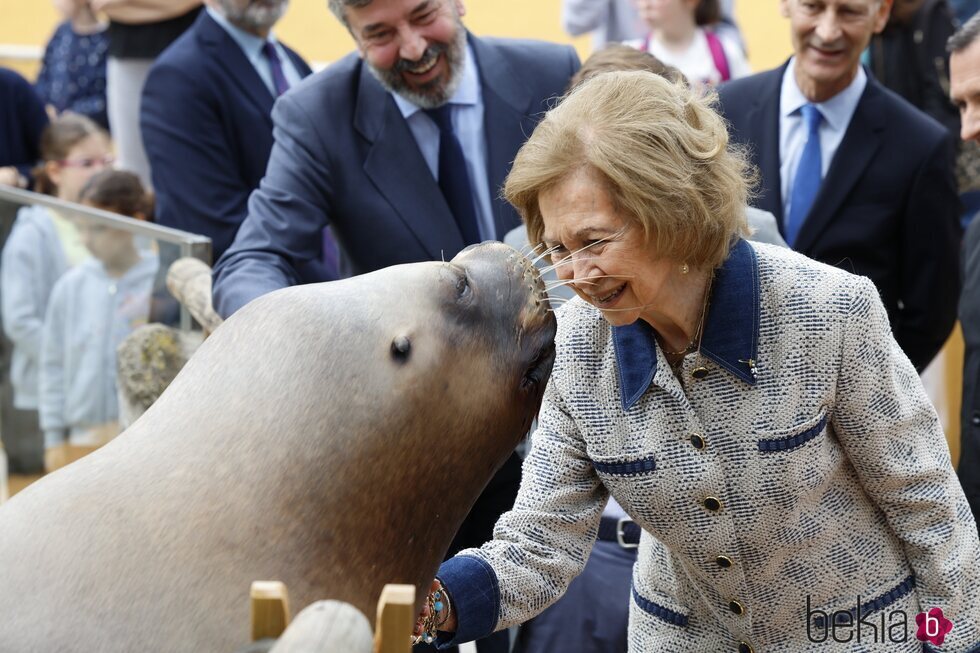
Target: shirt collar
{"x": 250, "y": 44}
{"x": 837, "y": 111}
{"x": 468, "y": 91}
{"x": 731, "y": 329}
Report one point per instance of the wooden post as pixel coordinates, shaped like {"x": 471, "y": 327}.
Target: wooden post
{"x": 270, "y": 609}
{"x": 396, "y": 619}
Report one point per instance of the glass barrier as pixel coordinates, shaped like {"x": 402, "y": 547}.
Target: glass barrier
{"x": 74, "y": 283}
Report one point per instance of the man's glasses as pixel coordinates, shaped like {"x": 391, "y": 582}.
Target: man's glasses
{"x": 104, "y": 161}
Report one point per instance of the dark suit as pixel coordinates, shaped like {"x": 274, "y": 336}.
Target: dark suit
{"x": 969, "y": 467}
{"x": 887, "y": 208}
{"x": 206, "y": 120}
{"x": 344, "y": 155}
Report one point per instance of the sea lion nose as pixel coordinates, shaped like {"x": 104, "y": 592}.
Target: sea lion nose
{"x": 537, "y": 292}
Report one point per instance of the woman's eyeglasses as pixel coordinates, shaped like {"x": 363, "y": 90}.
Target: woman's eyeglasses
{"x": 104, "y": 161}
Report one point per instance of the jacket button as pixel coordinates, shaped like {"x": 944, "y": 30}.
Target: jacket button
{"x": 745, "y": 647}
{"x": 976, "y": 419}
{"x": 724, "y": 562}
{"x": 711, "y": 503}
{"x": 736, "y": 607}
{"x": 698, "y": 441}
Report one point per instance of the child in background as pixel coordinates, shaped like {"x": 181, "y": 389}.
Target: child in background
{"x": 93, "y": 307}
{"x": 72, "y": 76}
{"x": 43, "y": 244}
{"x": 682, "y": 35}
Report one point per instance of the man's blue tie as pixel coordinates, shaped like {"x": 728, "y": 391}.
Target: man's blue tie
{"x": 279, "y": 80}
{"x": 806, "y": 184}
{"x": 454, "y": 181}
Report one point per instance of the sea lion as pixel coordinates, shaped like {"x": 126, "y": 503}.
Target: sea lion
{"x": 331, "y": 436}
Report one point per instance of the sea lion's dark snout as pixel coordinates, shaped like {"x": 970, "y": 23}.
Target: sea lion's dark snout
{"x": 520, "y": 298}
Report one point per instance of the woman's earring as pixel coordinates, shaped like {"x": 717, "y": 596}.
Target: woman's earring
{"x": 684, "y": 268}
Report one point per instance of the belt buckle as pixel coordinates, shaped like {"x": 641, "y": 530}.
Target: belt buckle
{"x": 621, "y": 533}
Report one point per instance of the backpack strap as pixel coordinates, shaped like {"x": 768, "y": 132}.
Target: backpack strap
{"x": 718, "y": 55}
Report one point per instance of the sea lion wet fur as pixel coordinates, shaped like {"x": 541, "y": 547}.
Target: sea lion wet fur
{"x": 331, "y": 436}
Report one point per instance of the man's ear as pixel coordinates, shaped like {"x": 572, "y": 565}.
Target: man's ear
{"x": 881, "y": 15}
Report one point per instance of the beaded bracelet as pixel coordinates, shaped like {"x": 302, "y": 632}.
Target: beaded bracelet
{"x": 439, "y": 605}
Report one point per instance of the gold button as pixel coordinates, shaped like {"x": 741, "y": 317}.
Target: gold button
{"x": 745, "y": 647}
{"x": 724, "y": 562}
{"x": 698, "y": 441}
{"x": 712, "y": 503}
{"x": 699, "y": 372}
{"x": 736, "y": 607}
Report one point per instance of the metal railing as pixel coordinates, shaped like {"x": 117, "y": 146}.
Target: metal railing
{"x": 189, "y": 244}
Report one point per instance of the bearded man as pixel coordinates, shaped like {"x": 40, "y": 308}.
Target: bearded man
{"x": 206, "y": 119}
{"x": 401, "y": 148}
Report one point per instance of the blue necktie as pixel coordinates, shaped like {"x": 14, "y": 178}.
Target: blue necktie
{"x": 278, "y": 76}
{"x": 806, "y": 184}
{"x": 454, "y": 181}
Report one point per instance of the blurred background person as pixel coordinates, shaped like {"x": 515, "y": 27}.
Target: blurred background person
{"x": 225, "y": 72}
{"x": 611, "y": 21}
{"x": 22, "y": 119}
{"x": 682, "y": 34}
{"x": 72, "y": 76}
{"x": 41, "y": 247}
{"x": 139, "y": 30}
{"x": 92, "y": 309}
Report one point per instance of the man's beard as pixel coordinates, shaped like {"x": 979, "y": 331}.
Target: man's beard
{"x": 436, "y": 92}
{"x": 255, "y": 14}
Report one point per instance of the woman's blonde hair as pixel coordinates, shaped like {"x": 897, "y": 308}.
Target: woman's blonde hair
{"x": 662, "y": 153}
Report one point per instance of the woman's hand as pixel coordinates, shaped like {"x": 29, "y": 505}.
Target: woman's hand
{"x": 437, "y": 613}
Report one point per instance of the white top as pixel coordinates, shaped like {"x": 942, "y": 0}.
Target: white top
{"x": 836, "y": 112}
{"x": 696, "y": 61}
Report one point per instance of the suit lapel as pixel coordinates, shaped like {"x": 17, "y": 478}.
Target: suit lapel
{"x": 506, "y": 105}
{"x": 223, "y": 49}
{"x": 765, "y": 113}
{"x": 859, "y": 146}
{"x": 301, "y": 66}
{"x": 395, "y": 165}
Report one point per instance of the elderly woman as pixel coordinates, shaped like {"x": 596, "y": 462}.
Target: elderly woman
{"x": 747, "y": 406}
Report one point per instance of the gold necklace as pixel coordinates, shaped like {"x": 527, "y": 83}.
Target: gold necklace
{"x": 698, "y": 332}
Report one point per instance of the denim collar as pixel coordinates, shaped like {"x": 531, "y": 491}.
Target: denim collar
{"x": 731, "y": 329}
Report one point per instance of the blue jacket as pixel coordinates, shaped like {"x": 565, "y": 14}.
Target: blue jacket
{"x": 33, "y": 260}
{"x": 89, "y": 315}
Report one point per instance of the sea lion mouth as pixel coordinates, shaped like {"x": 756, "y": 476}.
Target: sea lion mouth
{"x": 540, "y": 367}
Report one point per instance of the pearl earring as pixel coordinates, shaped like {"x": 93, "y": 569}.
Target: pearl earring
{"x": 684, "y": 268}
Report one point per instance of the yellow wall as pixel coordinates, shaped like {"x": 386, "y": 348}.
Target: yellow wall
{"x": 312, "y": 30}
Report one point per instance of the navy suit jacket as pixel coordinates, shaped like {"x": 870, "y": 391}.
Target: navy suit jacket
{"x": 206, "y": 119}
{"x": 345, "y": 156}
{"x": 22, "y": 119}
{"x": 887, "y": 209}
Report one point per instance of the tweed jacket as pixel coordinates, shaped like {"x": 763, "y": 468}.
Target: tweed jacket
{"x": 806, "y": 474}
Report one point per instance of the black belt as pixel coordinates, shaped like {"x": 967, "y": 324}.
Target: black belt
{"x": 624, "y": 531}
